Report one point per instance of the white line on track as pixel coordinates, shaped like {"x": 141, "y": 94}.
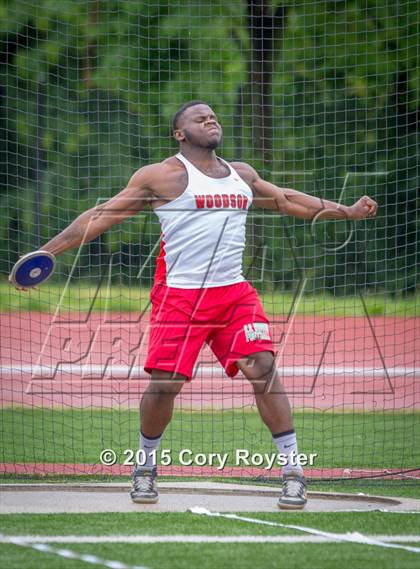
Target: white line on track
{"x": 197, "y": 538}
{"x": 138, "y": 371}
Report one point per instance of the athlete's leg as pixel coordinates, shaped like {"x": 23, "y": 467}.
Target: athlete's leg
{"x": 272, "y": 401}
{"x": 273, "y": 405}
{"x": 157, "y": 403}
{"x": 156, "y": 410}
{"x": 245, "y": 343}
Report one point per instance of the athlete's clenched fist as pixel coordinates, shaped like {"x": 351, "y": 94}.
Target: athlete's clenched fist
{"x": 365, "y": 207}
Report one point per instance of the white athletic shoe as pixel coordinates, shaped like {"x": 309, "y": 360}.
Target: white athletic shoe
{"x": 144, "y": 489}
{"x": 293, "y": 496}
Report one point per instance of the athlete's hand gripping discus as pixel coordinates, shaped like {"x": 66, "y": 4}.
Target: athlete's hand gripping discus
{"x": 32, "y": 269}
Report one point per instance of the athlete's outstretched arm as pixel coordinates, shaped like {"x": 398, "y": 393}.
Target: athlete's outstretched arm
{"x": 298, "y": 204}
{"x": 97, "y": 220}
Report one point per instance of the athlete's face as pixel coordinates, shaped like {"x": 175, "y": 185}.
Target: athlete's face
{"x": 198, "y": 126}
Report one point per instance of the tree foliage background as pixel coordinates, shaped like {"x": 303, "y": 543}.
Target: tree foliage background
{"x": 317, "y": 95}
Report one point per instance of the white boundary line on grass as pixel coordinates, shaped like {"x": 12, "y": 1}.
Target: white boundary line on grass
{"x": 354, "y": 537}
{"x": 149, "y": 539}
{"x": 387, "y": 511}
{"x": 67, "y": 553}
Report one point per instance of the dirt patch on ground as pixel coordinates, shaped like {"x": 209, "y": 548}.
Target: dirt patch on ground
{"x": 179, "y": 497}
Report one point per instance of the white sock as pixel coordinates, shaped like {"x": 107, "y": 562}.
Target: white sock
{"x": 148, "y": 445}
{"x": 287, "y": 444}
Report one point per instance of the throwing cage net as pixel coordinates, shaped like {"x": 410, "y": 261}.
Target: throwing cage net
{"x": 318, "y": 96}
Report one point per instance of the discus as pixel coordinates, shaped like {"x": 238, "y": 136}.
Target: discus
{"x": 33, "y": 269}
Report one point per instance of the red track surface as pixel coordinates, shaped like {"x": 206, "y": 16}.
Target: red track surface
{"x": 119, "y": 470}
{"x": 360, "y": 347}
{"x": 327, "y": 363}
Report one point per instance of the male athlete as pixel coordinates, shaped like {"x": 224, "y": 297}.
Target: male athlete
{"x": 200, "y": 294}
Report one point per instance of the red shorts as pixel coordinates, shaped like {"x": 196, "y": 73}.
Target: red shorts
{"x": 231, "y": 319}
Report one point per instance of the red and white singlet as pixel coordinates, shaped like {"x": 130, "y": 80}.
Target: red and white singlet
{"x": 203, "y": 231}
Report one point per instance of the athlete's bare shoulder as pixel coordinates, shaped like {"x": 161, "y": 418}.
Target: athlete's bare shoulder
{"x": 154, "y": 171}
{"x": 153, "y": 176}
{"x": 246, "y": 172}
{"x": 164, "y": 180}
{"x": 173, "y": 167}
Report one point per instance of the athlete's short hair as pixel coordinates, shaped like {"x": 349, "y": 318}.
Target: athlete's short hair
{"x": 182, "y": 109}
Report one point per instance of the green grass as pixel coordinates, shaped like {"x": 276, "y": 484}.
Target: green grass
{"x": 220, "y": 556}
{"x": 135, "y": 299}
{"x": 188, "y": 524}
{"x": 210, "y": 556}
{"x": 353, "y": 440}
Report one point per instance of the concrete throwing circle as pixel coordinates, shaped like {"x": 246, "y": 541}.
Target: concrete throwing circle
{"x": 179, "y": 497}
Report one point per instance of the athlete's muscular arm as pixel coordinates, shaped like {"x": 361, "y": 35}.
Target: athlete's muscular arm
{"x": 97, "y": 220}
{"x": 298, "y": 204}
